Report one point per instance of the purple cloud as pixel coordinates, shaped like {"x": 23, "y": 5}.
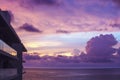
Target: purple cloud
{"x": 99, "y": 48}
{"x": 118, "y": 50}
{"x": 33, "y": 3}
{"x": 62, "y": 31}
{"x": 64, "y": 61}
{"x": 88, "y": 15}
{"x": 115, "y": 25}
{"x": 117, "y": 2}
{"x": 29, "y": 28}
{"x": 52, "y": 59}
{"x": 31, "y": 57}
{"x": 44, "y": 2}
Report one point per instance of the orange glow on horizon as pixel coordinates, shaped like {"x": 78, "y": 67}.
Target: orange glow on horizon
{"x": 42, "y": 44}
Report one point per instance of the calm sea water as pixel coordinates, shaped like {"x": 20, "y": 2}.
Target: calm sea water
{"x": 71, "y": 74}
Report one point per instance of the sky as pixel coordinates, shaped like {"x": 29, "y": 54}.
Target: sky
{"x": 63, "y": 27}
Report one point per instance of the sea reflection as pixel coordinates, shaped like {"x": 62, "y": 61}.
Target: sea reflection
{"x": 72, "y": 74}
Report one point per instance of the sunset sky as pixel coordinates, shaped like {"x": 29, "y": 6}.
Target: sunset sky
{"x": 62, "y": 27}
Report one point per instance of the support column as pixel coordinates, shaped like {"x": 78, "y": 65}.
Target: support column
{"x": 19, "y": 65}
{"x": 18, "y": 47}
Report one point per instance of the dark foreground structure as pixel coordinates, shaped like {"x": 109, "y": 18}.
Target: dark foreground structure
{"x": 11, "y": 49}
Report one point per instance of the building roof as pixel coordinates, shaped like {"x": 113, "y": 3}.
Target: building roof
{"x": 7, "y": 33}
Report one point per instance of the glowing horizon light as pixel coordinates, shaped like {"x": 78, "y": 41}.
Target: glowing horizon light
{"x": 68, "y": 54}
{"x": 43, "y": 44}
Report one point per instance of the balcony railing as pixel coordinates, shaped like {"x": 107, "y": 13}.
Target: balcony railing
{"x": 6, "y": 48}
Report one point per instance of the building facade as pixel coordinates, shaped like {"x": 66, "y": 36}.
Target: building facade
{"x": 11, "y": 47}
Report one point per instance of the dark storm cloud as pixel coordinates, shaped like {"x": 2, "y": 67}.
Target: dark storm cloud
{"x": 100, "y": 48}
{"x": 62, "y": 31}
{"x": 29, "y": 28}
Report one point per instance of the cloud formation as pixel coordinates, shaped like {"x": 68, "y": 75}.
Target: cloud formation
{"x": 31, "y": 57}
{"x": 76, "y": 52}
{"x": 32, "y": 4}
{"x": 62, "y": 31}
{"x": 116, "y": 25}
{"x": 117, "y": 2}
{"x": 44, "y": 2}
{"x": 29, "y": 28}
{"x": 52, "y": 59}
{"x": 63, "y": 16}
{"x": 66, "y": 15}
{"x": 100, "y": 48}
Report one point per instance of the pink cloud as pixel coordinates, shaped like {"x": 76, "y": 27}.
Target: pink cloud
{"x": 72, "y": 17}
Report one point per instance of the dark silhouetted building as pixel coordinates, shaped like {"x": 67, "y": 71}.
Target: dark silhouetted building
{"x": 11, "y": 47}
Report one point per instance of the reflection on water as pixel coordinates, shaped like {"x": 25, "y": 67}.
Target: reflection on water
{"x": 72, "y": 74}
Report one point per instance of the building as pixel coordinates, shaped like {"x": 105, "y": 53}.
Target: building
{"x": 11, "y": 48}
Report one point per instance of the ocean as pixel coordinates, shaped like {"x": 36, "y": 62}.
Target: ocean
{"x": 71, "y": 74}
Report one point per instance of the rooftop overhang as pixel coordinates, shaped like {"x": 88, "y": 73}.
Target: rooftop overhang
{"x": 7, "y": 33}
